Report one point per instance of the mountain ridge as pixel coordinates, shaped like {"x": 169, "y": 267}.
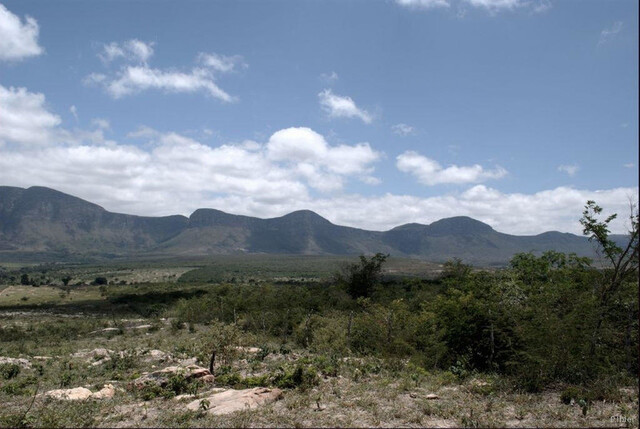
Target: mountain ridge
{"x": 40, "y": 219}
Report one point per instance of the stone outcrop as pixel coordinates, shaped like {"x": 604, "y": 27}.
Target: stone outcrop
{"x": 233, "y": 400}
{"x": 81, "y": 393}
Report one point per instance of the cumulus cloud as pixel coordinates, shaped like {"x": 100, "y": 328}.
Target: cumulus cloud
{"x": 430, "y": 172}
{"x": 313, "y": 154}
{"x": 337, "y": 106}
{"x": 135, "y": 79}
{"x": 570, "y": 169}
{"x": 222, "y": 63}
{"x": 18, "y": 39}
{"x": 131, "y": 50}
{"x": 610, "y": 33}
{"x": 403, "y": 129}
{"x": 175, "y": 174}
{"x": 25, "y": 118}
{"x": 136, "y": 76}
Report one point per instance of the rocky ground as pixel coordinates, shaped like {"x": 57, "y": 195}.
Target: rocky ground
{"x": 149, "y": 373}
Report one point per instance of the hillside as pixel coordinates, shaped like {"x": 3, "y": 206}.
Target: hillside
{"x": 42, "y": 220}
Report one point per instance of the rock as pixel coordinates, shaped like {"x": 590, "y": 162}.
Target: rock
{"x": 248, "y": 349}
{"x": 76, "y": 394}
{"x": 158, "y": 355}
{"x": 100, "y": 352}
{"x": 42, "y": 357}
{"x": 23, "y": 363}
{"x": 142, "y": 327}
{"x": 105, "y": 330}
{"x": 432, "y": 396}
{"x": 106, "y": 392}
{"x": 192, "y": 396}
{"x": 413, "y": 395}
{"x": 233, "y": 400}
{"x": 81, "y": 393}
{"x": 161, "y": 377}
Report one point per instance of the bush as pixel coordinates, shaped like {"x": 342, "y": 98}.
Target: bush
{"x": 9, "y": 370}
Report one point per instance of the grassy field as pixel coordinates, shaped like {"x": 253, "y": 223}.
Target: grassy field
{"x": 89, "y": 335}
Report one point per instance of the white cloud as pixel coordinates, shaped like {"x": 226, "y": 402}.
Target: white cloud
{"x": 571, "y": 169}
{"x": 74, "y": 111}
{"x": 84, "y": 162}
{"x": 135, "y": 79}
{"x": 430, "y": 172}
{"x": 174, "y": 174}
{"x": 337, "y": 106}
{"x": 629, "y": 165}
{"x": 221, "y": 63}
{"x": 24, "y": 118}
{"x": 403, "y": 129}
{"x": 138, "y": 77}
{"x": 329, "y": 77}
{"x": 610, "y": 33}
{"x": 423, "y": 4}
{"x": 101, "y": 123}
{"x": 305, "y": 146}
{"x": 492, "y": 6}
{"x": 132, "y": 50}
{"x": 18, "y": 40}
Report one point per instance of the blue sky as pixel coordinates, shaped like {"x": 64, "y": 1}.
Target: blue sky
{"x": 371, "y": 113}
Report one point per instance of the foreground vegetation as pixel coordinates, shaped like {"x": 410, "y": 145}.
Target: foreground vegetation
{"x": 548, "y": 341}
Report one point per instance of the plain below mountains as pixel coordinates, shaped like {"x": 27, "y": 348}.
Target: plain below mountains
{"x": 43, "y": 221}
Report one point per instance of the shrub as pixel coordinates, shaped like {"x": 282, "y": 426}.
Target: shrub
{"x": 9, "y": 370}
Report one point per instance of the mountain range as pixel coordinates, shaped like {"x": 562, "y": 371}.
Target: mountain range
{"x": 40, "y": 220}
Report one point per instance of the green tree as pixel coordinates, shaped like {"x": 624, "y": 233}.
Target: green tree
{"x": 622, "y": 263}
{"x": 24, "y": 279}
{"x": 360, "y": 277}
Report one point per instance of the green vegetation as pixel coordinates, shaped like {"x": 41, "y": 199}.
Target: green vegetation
{"x": 551, "y": 325}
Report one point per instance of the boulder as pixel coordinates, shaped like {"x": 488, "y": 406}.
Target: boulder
{"x": 81, "y": 393}
{"x": 106, "y": 392}
{"x": 75, "y": 394}
{"x": 233, "y": 400}
{"x": 161, "y": 377}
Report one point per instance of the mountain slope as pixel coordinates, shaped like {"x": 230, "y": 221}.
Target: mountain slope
{"x": 39, "y": 219}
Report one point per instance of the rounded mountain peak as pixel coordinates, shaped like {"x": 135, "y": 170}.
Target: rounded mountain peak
{"x": 458, "y": 225}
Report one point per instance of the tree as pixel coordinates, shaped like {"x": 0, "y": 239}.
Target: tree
{"x": 24, "y": 279}
{"x": 360, "y": 277}
{"x": 100, "y": 281}
{"x": 622, "y": 262}
{"x": 66, "y": 280}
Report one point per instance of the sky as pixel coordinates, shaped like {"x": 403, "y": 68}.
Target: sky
{"x": 371, "y": 113}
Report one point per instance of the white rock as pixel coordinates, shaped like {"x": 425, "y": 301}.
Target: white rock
{"x": 106, "y": 392}
{"x": 233, "y": 400}
{"x": 76, "y": 394}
